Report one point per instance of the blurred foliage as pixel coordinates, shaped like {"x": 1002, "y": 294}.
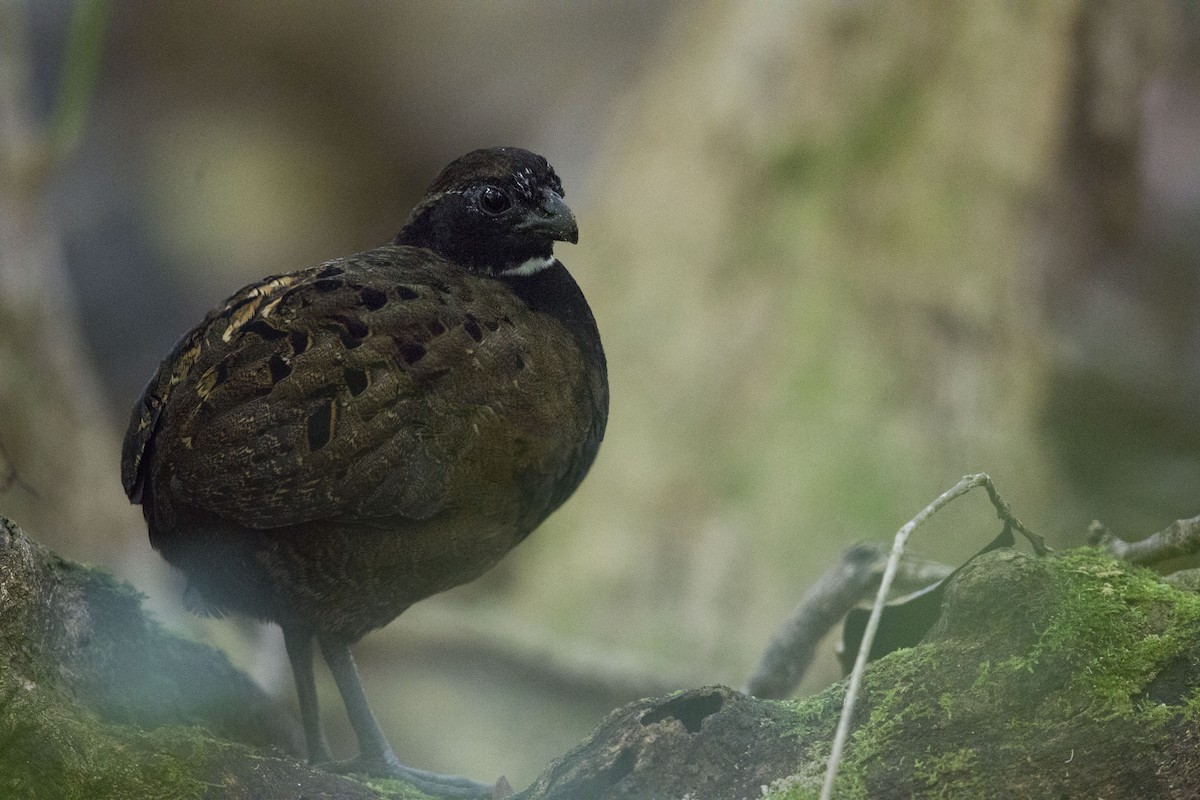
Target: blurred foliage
{"x": 81, "y": 67}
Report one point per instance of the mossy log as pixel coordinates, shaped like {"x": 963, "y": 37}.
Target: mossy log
{"x": 1071, "y": 676}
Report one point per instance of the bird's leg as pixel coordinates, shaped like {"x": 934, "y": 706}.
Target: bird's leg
{"x": 375, "y": 754}
{"x": 300, "y": 652}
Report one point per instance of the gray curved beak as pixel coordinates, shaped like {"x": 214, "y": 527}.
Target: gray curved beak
{"x": 553, "y": 219}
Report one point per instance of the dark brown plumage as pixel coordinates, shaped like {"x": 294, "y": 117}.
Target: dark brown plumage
{"x": 332, "y": 445}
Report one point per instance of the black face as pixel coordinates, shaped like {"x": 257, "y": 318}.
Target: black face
{"x": 497, "y": 211}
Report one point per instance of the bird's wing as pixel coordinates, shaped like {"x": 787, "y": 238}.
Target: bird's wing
{"x": 350, "y": 391}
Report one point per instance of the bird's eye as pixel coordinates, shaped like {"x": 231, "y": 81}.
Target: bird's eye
{"x": 494, "y": 201}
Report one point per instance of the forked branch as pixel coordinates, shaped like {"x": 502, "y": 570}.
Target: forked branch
{"x": 1003, "y": 510}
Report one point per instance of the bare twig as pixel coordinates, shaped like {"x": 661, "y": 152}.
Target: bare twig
{"x": 1003, "y": 510}
{"x": 1180, "y": 538}
{"x": 838, "y": 590}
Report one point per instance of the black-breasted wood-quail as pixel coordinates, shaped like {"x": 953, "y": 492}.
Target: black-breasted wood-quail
{"x": 330, "y": 446}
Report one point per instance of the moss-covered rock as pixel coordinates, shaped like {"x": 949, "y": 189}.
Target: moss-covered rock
{"x": 97, "y": 701}
{"x": 1073, "y": 676}
{"x": 1063, "y": 677}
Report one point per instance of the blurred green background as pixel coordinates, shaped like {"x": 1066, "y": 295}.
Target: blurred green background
{"x": 840, "y": 255}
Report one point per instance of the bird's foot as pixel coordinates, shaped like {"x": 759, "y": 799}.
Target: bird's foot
{"x": 388, "y": 766}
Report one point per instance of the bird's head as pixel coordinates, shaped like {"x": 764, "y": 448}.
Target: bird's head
{"x": 497, "y": 211}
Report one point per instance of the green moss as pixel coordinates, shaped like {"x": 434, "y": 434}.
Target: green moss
{"x": 1122, "y": 624}
{"x": 950, "y": 774}
{"x": 396, "y": 789}
{"x": 812, "y": 711}
{"x": 58, "y": 751}
{"x": 792, "y": 789}
{"x": 1085, "y": 650}
{"x": 900, "y": 702}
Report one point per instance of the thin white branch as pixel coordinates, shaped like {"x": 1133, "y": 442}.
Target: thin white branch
{"x": 889, "y": 573}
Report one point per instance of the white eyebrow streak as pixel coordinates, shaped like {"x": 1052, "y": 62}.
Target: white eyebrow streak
{"x": 530, "y": 266}
{"x": 524, "y": 178}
